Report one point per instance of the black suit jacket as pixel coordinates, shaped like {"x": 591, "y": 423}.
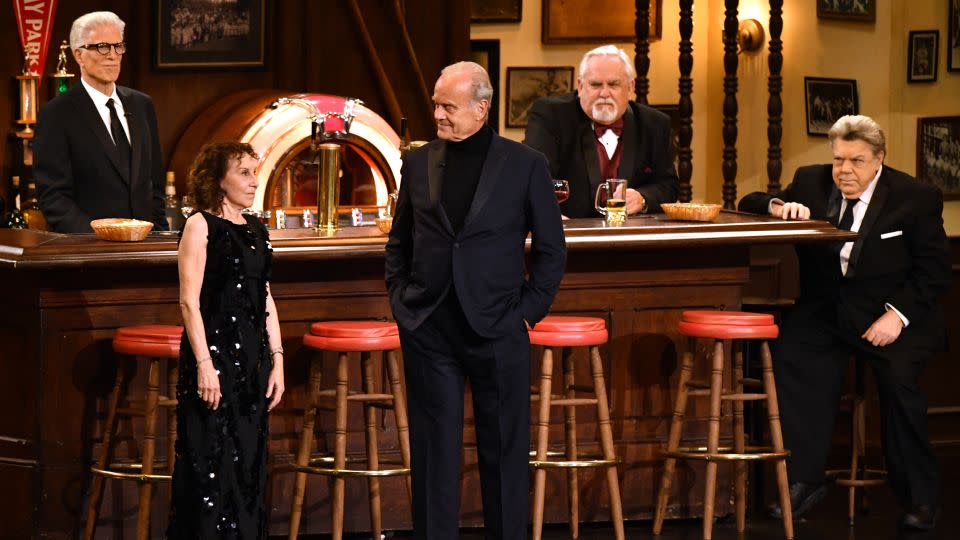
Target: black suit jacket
{"x": 76, "y": 163}
{"x": 558, "y": 127}
{"x": 485, "y": 260}
{"x": 901, "y": 257}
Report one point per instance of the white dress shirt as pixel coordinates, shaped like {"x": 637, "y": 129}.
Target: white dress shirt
{"x": 609, "y": 140}
{"x": 100, "y": 102}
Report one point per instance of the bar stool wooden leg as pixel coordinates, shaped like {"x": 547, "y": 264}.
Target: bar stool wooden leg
{"x": 106, "y": 453}
{"x": 400, "y": 415}
{"x": 776, "y": 438}
{"x": 858, "y": 435}
{"x": 606, "y": 441}
{"x": 739, "y": 442}
{"x": 713, "y": 439}
{"x": 173, "y": 374}
{"x": 306, "y": 443}
{"x": 340, "y": 445}
{"x": 676, "y": 431}
{"x": 570, "y": 428}
{"x": 543, "y": 432}
{"x": 149, "y": 448}
{"x": 373, "y": 457}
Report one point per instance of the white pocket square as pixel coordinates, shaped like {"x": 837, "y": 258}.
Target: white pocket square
{"x": 891, "y": 234}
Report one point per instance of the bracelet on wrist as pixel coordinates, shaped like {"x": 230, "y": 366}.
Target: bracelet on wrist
{"x": 274, "y": 352}
{"x": 202, "y": 360}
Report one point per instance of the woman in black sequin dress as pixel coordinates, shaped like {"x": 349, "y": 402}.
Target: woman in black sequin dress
{"x": 231, "y": 361}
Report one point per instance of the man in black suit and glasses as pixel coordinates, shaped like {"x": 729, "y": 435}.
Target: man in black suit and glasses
{"x": 877, "y": 298}
{"x": 97, "y": 152}
{"x": 464, "y": 298}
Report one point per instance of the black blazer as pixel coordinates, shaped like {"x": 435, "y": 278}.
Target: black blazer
{"x": 901, "y": 257}
{"x": 485, "y": 260}
{"x": 76, "y": 163}
{"x": 558, "y": 127}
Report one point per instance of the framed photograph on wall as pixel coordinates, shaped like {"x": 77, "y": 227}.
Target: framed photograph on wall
{"x": 486, "y": 52}
{"x": 526, "y": 84}
{"x": 923, "y": 55}
{"x": 938, "y": 153}
{"x": 595, "y": 21}
{"x": 953, "y": 37}
{"x": 202, "y": 34}
{"x": 826, "y": 101}
{"x": 849, "y": 10}
{"x": 495, "y": 11}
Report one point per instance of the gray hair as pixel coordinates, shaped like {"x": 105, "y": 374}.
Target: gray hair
{"x": 859, "y": 128}
{"x": 480, "y": 87}
{"x": 608, "y": 50}
{"x": 88, "y": 23}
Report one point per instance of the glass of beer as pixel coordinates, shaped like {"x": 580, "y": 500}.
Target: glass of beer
{"x": 611, "y": 201}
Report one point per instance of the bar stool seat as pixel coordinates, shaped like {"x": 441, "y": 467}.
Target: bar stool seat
{"x": 720, "y": 326}
{"x": 559, "y": 332}
{"x": 345, "y": 337}
{"x": 156, "y": 343}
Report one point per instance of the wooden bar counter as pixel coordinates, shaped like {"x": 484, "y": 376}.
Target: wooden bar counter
{"x": 64, "y": 295}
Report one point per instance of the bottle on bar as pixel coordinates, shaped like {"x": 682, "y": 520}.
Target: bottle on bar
{"x": 14, "y": 218}
{"x": 171, "y": 205}
{"x": 30, "y": 209}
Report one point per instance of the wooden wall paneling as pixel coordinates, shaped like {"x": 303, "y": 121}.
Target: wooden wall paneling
{"x": 685, "y": 135}
{"x": 730, "y": 61}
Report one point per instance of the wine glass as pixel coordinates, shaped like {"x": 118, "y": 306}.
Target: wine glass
{"x": 561, "y": 188}
{"x": 186, "y": 206}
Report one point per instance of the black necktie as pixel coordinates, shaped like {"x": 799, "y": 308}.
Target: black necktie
{"x": 119, "y": 137}
{"x": 846, "y": 220}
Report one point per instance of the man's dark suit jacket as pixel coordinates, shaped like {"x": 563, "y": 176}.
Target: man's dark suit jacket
{"x": 559, "y": 128}
{"x": 485, "y": 260}
{"x": 901, "y": 258}
{"x": 77, "y": 168}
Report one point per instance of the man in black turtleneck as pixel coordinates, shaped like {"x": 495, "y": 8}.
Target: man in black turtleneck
{"x": 464, "y": 298}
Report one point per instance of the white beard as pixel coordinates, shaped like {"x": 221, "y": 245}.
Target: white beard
{"x": 604, "y": 115}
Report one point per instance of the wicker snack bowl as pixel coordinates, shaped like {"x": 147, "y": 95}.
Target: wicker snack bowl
{"x": 384, "y": 224}
{"x": 691, "y": 211}
{"x": 121, "y": 229}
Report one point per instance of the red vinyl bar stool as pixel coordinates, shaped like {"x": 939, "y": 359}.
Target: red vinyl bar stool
{"x": 562, "y": 332}
{"x": 155, "y": 343}
{"x": 346, "y": 337}
{"x": 858, "y": 475}
{"x": 720, "y": 326}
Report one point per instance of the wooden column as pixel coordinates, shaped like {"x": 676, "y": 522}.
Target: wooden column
{"x": 685, "y": 132}
{"x": 730, "y": 61}
{"x": 775, "y": 104}
{"x": 642, "y": 50}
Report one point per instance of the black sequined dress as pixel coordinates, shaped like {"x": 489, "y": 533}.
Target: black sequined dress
{"x": 220, "y": 471}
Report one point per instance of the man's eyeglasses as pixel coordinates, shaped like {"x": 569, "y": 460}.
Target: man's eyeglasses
{"x": 104, "y": 48}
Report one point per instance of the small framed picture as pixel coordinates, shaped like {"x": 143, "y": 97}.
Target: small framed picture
{"x": 922, "y": 58}
{"x": 827, "y": 100}
{"x": 495, "y": 11}
{"x": 953, "y": 38}
{"x": 526, "y": 84}
{"x": 938, "y": 153}
{"x": 596, "y": 21}
{"x": 486, "y": 52}
{"x": 210, "y": 34}
{"x": 849, "y": 10}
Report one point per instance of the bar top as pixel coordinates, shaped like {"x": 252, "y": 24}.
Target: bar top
{"x": 38, "y": 249}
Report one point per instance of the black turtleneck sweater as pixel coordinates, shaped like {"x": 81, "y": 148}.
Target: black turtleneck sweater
{"x": 461, "y": 174}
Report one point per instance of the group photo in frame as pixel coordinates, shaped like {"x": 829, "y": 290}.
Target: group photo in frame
{"x": 486, "y": 52}
{"x": 526, "y": 84}
{"x": 495, "y": 11}
{"x": 200, "y": 34}
{"x": 953, "y": 35}
{"x": 923, "y": 55}
{"x": 595, "y": 21}
{"x": 938, "y": 153}
{"x": 848, "y": 10}
{"x": 826, "y": 101}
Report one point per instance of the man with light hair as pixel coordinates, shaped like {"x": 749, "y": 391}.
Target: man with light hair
{"x": 463, "y": 298}
{"x": 597, "y": 133}
{"x": 97, "y": 150}
{"x": 876, "y": 298}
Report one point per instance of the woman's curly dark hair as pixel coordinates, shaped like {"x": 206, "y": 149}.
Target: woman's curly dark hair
{"x": 208, "y": 170}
